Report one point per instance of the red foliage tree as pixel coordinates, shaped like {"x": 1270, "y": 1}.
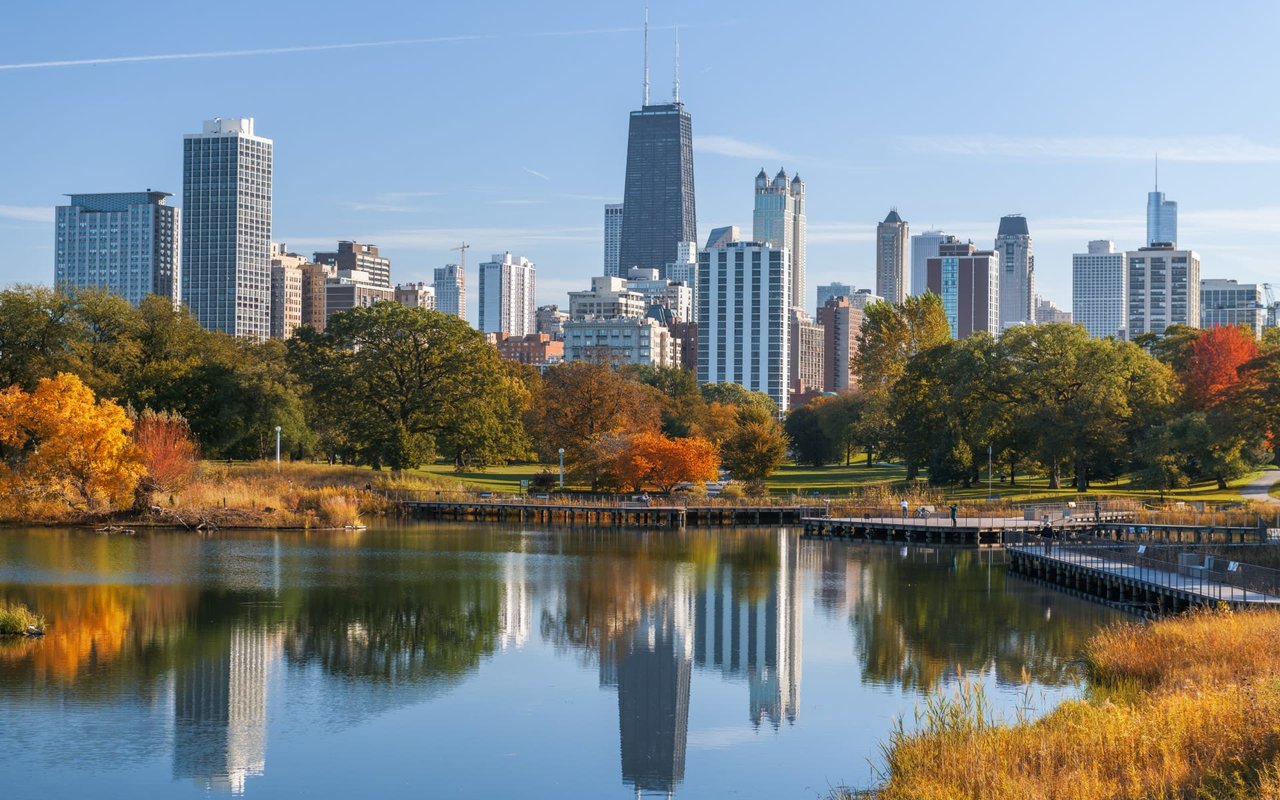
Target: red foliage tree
{"x": 1213, "y": 369}
{"x": 167, "y": 450}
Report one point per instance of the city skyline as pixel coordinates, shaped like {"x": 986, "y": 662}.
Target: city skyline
{"x": 1074, "y": 179}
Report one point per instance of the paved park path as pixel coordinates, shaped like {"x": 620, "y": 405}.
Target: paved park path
{"x": 1260, "y": 489}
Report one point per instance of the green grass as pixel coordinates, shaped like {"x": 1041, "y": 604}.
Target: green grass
{"x": 505, "y": 478}
{"x": 15, "y": 618}
{"x": 835, "y": 480}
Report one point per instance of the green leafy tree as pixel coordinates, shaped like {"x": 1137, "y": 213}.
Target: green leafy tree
{"x": 809, "y": 442}
{"x": 409, "y": 383}
{"x": 757, "y": 447}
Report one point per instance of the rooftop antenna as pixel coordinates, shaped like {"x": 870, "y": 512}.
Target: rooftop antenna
{"x": 675, "y": 88}
{"x": 1157, "y": 172}
{"x": 646, "y": 55}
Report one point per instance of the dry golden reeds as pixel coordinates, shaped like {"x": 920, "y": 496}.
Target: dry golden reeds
{"x": 1185, "y": 707}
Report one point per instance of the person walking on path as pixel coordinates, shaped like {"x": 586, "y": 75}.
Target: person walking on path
{"x": 953, "y": 515}
{"x": 905, "y": 507}
{"x": 1097, "y": 511}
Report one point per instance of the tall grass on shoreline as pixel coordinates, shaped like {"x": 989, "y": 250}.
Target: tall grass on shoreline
{"x": 1180, "y": 708}
{"x": 16, "y": 619}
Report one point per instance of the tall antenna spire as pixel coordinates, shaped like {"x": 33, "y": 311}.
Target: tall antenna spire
{"x": 1157, "y": 172}
{"x": 675, "y": 87}
{"x": 646, "y": 55}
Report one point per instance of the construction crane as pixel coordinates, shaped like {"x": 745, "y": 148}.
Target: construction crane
{"x": 462, "y": 259}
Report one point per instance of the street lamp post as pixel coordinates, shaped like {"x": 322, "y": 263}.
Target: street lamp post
{"x": 562, "y": 469}
{"x": 277, "y": 447}
{"x": 988, "y": 472}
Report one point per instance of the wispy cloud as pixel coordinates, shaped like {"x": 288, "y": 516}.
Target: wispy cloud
{"x": 314, "y": 48}
{"x": 27, "y": 213}
{"x": 535, "y": 173}
{"x": 263, "y": 51}
{"x": 1208, "y": 149}
{"x": 392, "y": 203}
{"x": 736, "y": 148}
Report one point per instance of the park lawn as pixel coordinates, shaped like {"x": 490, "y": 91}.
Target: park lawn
{"x": 505, "y": 478}
{"x": 833, "y": 480}
{"x": 839, "y": 480}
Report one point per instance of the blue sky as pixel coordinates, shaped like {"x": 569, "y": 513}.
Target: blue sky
{"x": 504, "y": 124}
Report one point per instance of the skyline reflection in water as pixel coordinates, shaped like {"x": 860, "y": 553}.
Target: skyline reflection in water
{"x": 471, "y": 660}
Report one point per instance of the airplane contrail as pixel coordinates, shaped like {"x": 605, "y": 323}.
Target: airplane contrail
{"x": 309, "y": 48}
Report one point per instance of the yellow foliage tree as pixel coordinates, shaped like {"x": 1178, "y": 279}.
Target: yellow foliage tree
{"x": 59, "y": 448}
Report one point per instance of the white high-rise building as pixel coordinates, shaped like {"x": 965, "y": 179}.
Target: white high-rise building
{"x": 1164, "y": 289}
{"x": 685, "y": 270}
{"x": 1100, "y": 290}
{"x": 779, "y": 221}
{"x": 1228, "y": 302}
{"x": 1017, "y": 272}
{"x": 925, "y": 246}
{"x": 125, "y": 243}
{"x": 612, "y": 239}
{"x": 451, "y": 290}
{"x": 743, "y": 326}
{"x": 608, "y": 298}
{"x": 226, "y": 227}
{"x": 891, "y": 258}
{"x": 506, "y": 295}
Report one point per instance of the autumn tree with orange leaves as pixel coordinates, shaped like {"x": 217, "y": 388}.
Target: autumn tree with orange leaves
{"x": 168, "y": 453}
{"x": 651, "y": 459}
{"x": 63, "y": 451}
{"x": 1214, "y": 368}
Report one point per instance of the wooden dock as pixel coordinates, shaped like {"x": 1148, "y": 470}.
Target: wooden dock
{"x": 1153, "y": 580}
{"x": 607, "y": 515}
{"x": 997, "y": 531}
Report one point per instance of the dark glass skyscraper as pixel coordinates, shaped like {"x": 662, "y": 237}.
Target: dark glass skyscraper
{"x": 657, "y": 202}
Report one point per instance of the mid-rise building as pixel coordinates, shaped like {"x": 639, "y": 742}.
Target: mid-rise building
{"x": 606, "y": 299}
{"x": 612, "y": 238}
{"x": 968, "y": 281}
{"x": 658, "y": 202}
{"x": 1164, "y": 289}
{"x": 125, "y": 243}
{"x": 863, "y": 298}
{"x": 451, "y": 290}
{"x": 925, "y": 246}
{"x": 841, "y": 325}
{"x": 226, "y": 227}
{"x": 353, "y": 288}
{"x": 674, "y": 296}
{"x": 506, "y": 295}
{"x": 550, "y": 320}
{"x": 891, "y": 258}
{"x": 315, "y": 281}
{"x": 286, "y": 291}
{"x": 685, "y": 270}
{"x": 416, "y": 295}
{"x": 830, "y": 290}
{"x": 1048, "y": 313}
{"x": 685, "y": 335}
{"x": 806, "y": 353}
{"x": 357, "y": 256}
{"x": 534, "y": 349}
{"x": 1100, "y": 290}
{"x": 1228, "y": 302}
{"x": 621, "y": 340}
{"x": 743, "y": 328}
{"x": 1017, "y": 271}
{"x": 779, "y": 220}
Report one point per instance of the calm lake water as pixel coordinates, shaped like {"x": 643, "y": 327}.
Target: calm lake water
{"x": 478, "y": 661}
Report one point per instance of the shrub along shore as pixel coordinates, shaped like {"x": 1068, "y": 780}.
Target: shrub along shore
{"x": 1187, "y": 707}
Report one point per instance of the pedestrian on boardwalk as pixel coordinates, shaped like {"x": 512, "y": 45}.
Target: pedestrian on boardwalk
{"x": 953, "y": 515}
{"x": 1046, "y": 532}
{"x": 905, "y": 507}
{"x": 1097, "y": 511}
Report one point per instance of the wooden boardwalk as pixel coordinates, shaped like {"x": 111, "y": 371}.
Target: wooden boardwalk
{"x": 1128, "y": 576}
{"x": 607, "y": 515}
{"x": 982, "y": 531}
